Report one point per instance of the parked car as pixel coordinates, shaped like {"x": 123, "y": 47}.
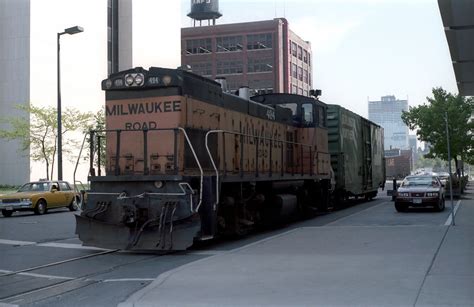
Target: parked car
{"x": 40, "y": 196}
{"x": 420, "y": 191}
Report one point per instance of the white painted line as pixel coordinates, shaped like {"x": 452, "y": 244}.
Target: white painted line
{"x": 13, "y": 242}
{"x": 38, "y": 275}
{"x": 450, "y": 217}
{"x": 46, "y": 276}
{"x": 52, "y": 244}
{"x": 206, "y": 252}
{"x": 59, "y": 262}
{"x": 128, "y": 279}
{"x": 357, "y": 213}
{"x": 71, "y": 246}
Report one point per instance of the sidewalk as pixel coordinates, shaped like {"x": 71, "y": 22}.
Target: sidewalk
{"x": 332, "y": 266}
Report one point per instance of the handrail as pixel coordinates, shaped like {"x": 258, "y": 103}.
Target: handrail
{"x": 119, "y": 131}
{"x": 75, "y": 169}
{"x": 213, "y": 163}
{"x": 272, "y": 140}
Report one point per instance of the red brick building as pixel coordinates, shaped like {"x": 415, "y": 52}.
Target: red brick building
{"x": 264, "y": 55}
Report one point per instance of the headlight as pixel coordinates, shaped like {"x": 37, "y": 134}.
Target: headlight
{"x": 129, "y": 80}
{"x": 403, "y": 194}
{"x": 25, "y": 200}
{"x": 139, "y": 79}
{"x": 432, "y": 194}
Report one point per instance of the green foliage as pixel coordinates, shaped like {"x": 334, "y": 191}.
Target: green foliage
{"x": 37, "y": 132}
{"x": 430, "y": 122}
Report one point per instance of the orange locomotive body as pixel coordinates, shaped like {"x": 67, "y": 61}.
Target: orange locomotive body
{"x": 185, "y": 161}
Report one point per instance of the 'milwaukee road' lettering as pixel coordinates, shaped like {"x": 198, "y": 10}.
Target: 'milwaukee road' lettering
{"x": 143, "y": 108}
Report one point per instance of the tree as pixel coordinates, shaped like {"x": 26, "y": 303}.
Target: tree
{"x": 37, "y": 131}
{"x": 429, "y": 120}
{"x": 98, "y": 126}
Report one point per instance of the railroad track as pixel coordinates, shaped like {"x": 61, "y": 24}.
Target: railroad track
{"x": 58, "y": 285}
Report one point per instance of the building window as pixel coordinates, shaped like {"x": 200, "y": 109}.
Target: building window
{"x": 305, "y": 56}
{"x": 305, "y": 76}
{"x": 300, "y": 73}
{"x": 229, "y": 67}
{"x": 300, "y": 53}
{"x": 198, "y": 46}
{"x": 229, "y": 43}
{"x": 294, "y": 89}
{"x": 305, "y": 93}
{"x": 294, "y": 70}
{"x": 260, "y": 65}
{"x": 294, "y": 49}
{"x": 203, "y": 68}
{"x": 309, "y": 78}
{"x": 309, "y": 59}
{"x": 300, "y": 91}
{"x": 259, "y": 41}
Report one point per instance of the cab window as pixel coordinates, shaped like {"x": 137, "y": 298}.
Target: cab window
{"x": 308, "y": 118}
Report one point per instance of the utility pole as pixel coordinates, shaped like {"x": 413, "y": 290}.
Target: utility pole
{"x": 453, "y": 223}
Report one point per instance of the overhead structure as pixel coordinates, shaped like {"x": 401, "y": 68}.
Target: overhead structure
{"x": 458, "y": 21}
{"x": 204, "y": 10}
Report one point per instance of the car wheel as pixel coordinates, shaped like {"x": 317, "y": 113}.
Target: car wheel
{"x": 440, "y": 206}
{"x": 7, "y": 213}
{"x": 41, "y": 207}
{"x": 74, "y": 204}
{"x": 400, "y": 207}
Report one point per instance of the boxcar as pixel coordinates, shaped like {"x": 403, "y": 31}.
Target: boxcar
{"x": 357, "y": 154}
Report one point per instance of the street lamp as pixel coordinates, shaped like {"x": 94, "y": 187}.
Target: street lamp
{"x": 449, "y": 169}
{"x": 72, "y": 30}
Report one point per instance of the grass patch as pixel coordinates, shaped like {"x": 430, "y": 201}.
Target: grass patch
{"x": 6, "y": 189}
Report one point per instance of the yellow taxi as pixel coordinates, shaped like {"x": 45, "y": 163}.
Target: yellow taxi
{"x": 40, "y": 196}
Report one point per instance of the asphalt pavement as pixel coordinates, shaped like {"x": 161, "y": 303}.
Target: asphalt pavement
{"x": 374, "y": 257}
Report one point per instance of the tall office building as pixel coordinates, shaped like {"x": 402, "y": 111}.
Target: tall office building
{"x": 28, "y": 55}
{"x": 387, "y": 113}
{"x": 119, "y": 35}
{"x": 264, "y": 55}
{"x": 14, "y": 84}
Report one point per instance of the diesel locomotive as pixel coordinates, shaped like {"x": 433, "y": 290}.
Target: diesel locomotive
{"x": 186, "y": 161}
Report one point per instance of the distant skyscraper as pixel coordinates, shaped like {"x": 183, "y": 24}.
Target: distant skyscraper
{"x": 263, "y": 55}
{"x": 387, "y": 113}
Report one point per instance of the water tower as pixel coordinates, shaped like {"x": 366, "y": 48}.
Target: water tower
{"x": 205, "y": 10}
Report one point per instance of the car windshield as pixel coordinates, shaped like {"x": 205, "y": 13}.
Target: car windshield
{"x": 420, "y": 181}
{"x": 35, "y": 187}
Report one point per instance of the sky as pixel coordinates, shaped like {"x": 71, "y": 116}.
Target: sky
{"x": 362, "y": 49}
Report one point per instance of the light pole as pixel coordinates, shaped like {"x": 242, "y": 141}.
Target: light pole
{"x": 72, "y": 30}
{"x": 449, "y": 169}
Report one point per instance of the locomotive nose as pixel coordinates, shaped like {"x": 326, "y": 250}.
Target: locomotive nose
{"x": 179, "y": 236}
{"x": 141, "y": 222}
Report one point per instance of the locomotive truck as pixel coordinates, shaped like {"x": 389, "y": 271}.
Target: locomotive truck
{"x": 187, "y": 161}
